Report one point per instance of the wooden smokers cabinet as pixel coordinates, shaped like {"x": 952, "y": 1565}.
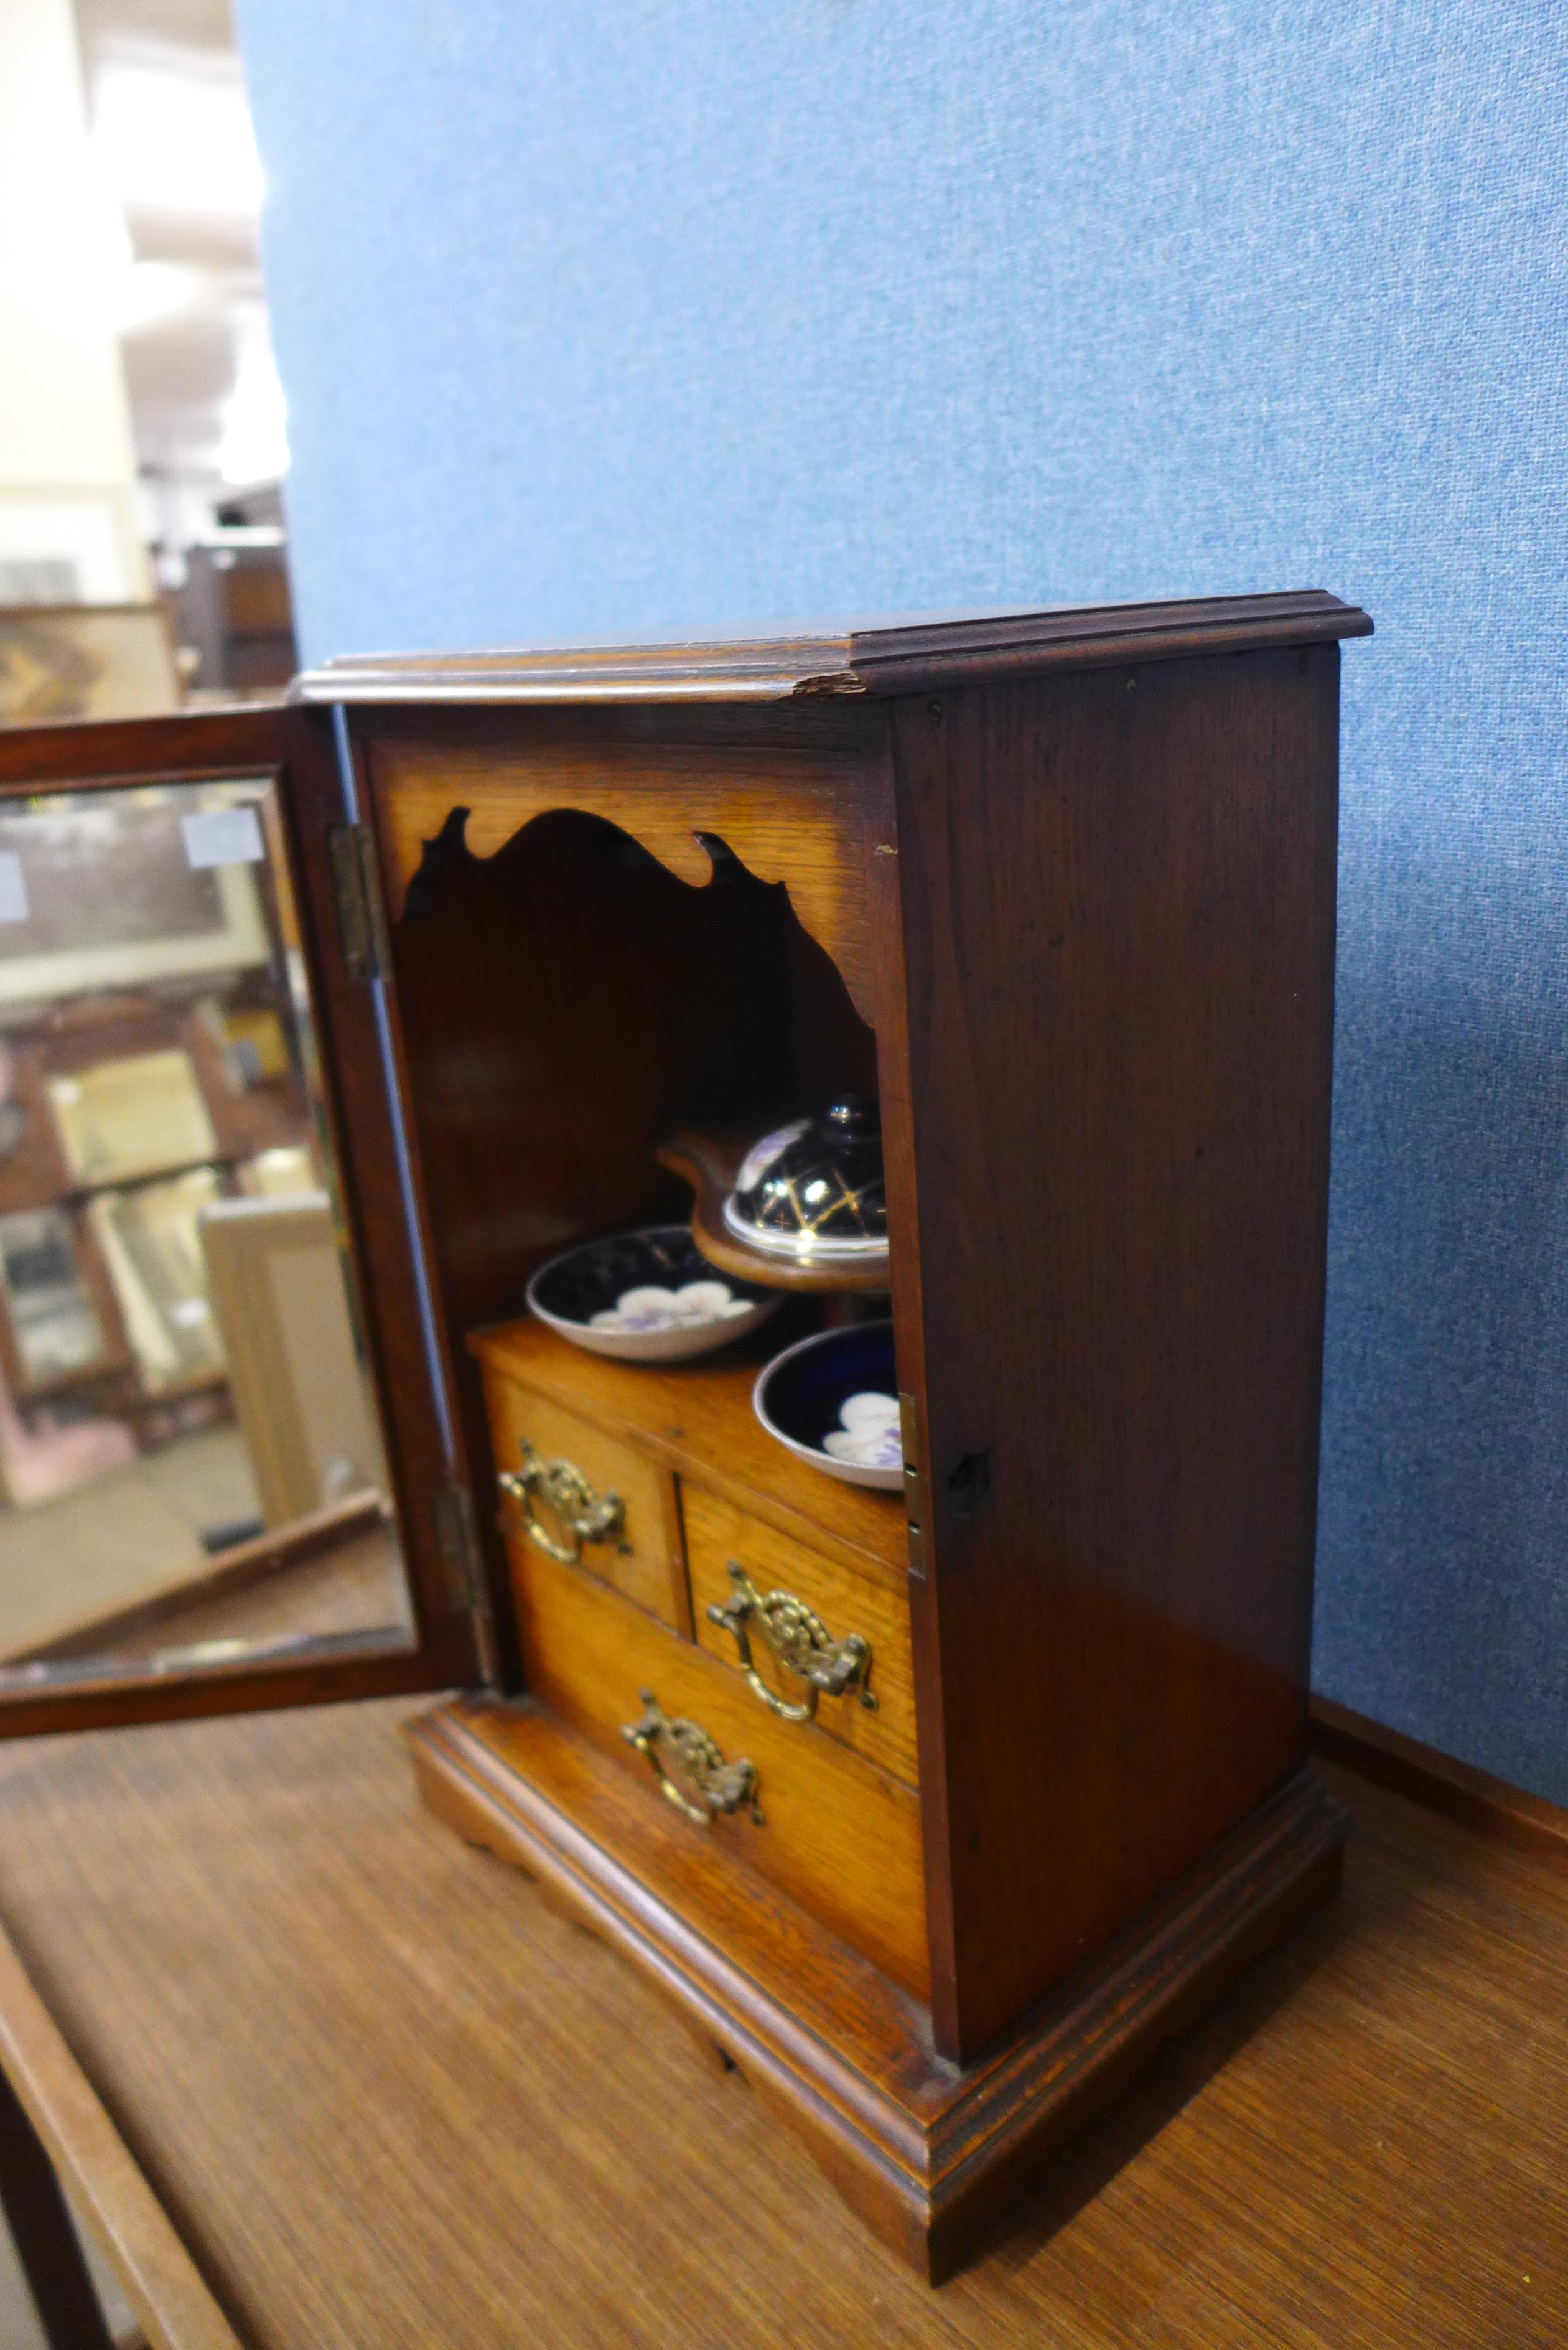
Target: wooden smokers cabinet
{"x": 1060, "y": 888}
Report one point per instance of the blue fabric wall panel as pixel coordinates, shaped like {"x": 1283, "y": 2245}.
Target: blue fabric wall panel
{"x": 628, "y": 317}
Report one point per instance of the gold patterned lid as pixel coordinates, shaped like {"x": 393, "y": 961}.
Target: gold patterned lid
{"x": 813, "y": 1189}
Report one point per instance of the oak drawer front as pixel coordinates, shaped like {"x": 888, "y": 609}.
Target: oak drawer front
{"x": 845, "y": 1603}
{"x": 839, "y": 1835}
{"x": 641, "y": 1556}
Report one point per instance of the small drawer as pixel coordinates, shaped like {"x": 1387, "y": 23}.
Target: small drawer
{"x": 847, "y": 1606}
{"x": 639, "y": 1551}
{"x": 842, "y": 1837}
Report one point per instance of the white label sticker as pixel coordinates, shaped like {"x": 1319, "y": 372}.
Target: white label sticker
{"x": 228, "y": 835}
{"x": 13, "y": 888}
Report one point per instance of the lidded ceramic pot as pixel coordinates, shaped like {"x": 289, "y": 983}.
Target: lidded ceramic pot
{"x": 813, "y": 1190}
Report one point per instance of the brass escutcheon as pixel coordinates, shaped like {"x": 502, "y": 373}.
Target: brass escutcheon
{"x": 798, "y": 1640}
{"x": 691, "y": 1769}
{"x": 582, "y": 1515}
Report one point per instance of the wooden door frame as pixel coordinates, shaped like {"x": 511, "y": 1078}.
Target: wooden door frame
{"x": 293, "y": 750}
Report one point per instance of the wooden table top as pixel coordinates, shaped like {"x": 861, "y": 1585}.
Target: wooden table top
{"x": 390, "y": 2101}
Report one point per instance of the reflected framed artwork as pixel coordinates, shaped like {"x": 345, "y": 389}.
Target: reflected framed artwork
{"x": 85, "y": 661}
{"x": 99, "y": 891}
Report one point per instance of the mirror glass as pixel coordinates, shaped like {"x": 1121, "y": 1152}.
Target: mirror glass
{"x": 191, "y": 1470}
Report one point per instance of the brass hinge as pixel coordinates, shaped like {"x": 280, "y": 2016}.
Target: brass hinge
{"x": 357, "y": 895}
{"x": 462, "y": 1567}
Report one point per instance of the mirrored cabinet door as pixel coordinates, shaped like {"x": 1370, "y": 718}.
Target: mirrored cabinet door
{"x": 196, "y": 1485}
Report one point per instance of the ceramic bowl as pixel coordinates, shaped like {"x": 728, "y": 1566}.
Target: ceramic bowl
{"x": 833, "y": 1400}
{"x": 813, "y": 1190}
{"x": 647, "y": 1298}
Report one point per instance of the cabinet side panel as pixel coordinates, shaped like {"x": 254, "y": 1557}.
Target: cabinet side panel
{"x": 1118, "y": 903}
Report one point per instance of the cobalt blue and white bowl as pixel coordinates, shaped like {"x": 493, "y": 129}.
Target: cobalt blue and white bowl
{"x": 647, "y": 1298}
{"x": 833, "y": 1400}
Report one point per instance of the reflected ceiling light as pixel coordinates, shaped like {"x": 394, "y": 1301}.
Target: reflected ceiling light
{"x": 150, "y": 293}
{"x": 177, "y": 142}
{"x": 252, "y": 445}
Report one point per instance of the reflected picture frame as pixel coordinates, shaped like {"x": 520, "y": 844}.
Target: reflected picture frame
{"x": 227, "y": 931}
{"x": 86, "y": 660}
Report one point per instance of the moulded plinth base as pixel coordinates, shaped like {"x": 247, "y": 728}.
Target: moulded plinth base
{"x": 923, "y": 2149}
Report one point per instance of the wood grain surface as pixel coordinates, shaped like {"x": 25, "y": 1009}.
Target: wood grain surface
{"x": 560, "y": 1006}
{"x": 60, "y": 2294}
{"x": 296, "y": 747}
{"x": 360, "y": 1064}
{"x": 391, "y": 2100}
{"x": 325, "y": 1598}
{"x": 135, "y": 1628}
{"x": 696, "y": 1417}
{"x": 642, "y": 1560}
{"x": 842, "y": 657}
{"x": 132, "y": 2231}
{"x": 845, "y": 1600}
{"x": 1491, "y": 1806}
{"x": 838, "y": 1833}
{"x": 788, "y": 808}
{"x": 187, "y": 743}
{"x": 1118, "y": 895}
{"x": 925, "y": 2154}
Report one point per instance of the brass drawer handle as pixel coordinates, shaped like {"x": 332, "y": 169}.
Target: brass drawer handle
{"x": 583, "y": 1516}
{"x": 691, "y": 1769}
{"x": 797, "y": 1640}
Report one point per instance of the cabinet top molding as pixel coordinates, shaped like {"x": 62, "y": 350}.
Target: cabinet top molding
{"x": 884, "y": 658}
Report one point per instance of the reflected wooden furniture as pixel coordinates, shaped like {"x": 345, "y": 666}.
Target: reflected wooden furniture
{"x": 159, "y": 1072}
{"x": 398, "y": 2100}
{"x": 298, "y": 1387}
{"x": 332, "y": 1571}
{"x": 235, "y": 610}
